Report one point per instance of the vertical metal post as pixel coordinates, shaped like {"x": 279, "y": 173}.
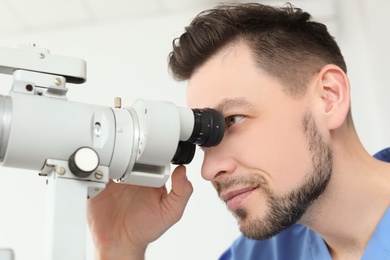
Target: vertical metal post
{"x": 66, "y": 214}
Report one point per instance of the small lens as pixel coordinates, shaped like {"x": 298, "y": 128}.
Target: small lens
{"x": 209, "y": 127}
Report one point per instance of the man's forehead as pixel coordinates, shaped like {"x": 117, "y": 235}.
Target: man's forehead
{"x": 222, "y": 77}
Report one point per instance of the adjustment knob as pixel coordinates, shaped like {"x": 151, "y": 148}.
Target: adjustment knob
{"x": 83, "y": 162}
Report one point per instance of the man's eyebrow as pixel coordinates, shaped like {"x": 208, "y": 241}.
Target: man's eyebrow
{"x": 232, "y": 104}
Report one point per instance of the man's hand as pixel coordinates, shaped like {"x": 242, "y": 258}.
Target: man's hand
{"x": 124, "y": 219}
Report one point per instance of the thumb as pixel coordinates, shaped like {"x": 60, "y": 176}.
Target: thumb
{"x": 181, "y": 188}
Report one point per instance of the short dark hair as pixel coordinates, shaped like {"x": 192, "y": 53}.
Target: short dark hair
{"x": 285, "y": 42}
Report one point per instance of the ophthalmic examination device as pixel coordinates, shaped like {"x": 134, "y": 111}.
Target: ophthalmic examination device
{"x": 79, "y": 147}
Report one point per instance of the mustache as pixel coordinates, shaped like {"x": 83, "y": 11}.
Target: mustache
{"x": 234, "y": 181}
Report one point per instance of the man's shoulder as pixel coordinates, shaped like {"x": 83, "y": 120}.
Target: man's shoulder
{"x": 383, "y": 155}
{"x": 296, "y": 242}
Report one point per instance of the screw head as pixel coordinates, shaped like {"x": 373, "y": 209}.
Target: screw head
{"x": 57, "y": 81}
{"x": 98, "y": 175}
{"x": 60, "y": 170}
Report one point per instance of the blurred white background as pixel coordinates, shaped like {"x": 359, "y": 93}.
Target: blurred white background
{"x": 126, "y": 44}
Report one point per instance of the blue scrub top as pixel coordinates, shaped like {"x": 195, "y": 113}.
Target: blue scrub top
{"x": 301, "y": 243}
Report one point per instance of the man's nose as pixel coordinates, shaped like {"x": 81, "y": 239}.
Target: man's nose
{"x": 217, "y": 163}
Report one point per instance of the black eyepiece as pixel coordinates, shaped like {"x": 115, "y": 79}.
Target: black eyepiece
{"x": 209, "y": 127}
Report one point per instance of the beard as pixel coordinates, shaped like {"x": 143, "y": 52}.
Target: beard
{"x": 286, "y": 210}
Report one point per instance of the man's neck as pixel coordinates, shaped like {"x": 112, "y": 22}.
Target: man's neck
{"x": 347, "y": 214}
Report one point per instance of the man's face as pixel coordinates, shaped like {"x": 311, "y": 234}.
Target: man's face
{"x": 272, "y": 162}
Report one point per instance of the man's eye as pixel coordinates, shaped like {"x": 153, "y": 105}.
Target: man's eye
{"x": 231, "y": 120}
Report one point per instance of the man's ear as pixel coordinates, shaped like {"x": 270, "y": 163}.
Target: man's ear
{"x": 334, "y": 89}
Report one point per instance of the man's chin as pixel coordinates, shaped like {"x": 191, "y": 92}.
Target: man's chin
{"x": 240, "y": 214}
{"x": 259, "y": 232}
{"x": 258, "y": 227}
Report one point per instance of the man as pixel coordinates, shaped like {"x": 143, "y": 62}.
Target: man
{"x": 290, "y": 166}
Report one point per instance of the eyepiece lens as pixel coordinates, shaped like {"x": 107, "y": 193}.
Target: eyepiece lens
{"x": 209, "y": 127}
{"x": 208, "y": 130}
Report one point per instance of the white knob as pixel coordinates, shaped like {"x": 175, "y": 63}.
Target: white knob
{"x": 83, "y": 162}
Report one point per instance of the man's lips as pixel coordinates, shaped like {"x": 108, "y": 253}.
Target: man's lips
{"x": 235, "y": 198}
